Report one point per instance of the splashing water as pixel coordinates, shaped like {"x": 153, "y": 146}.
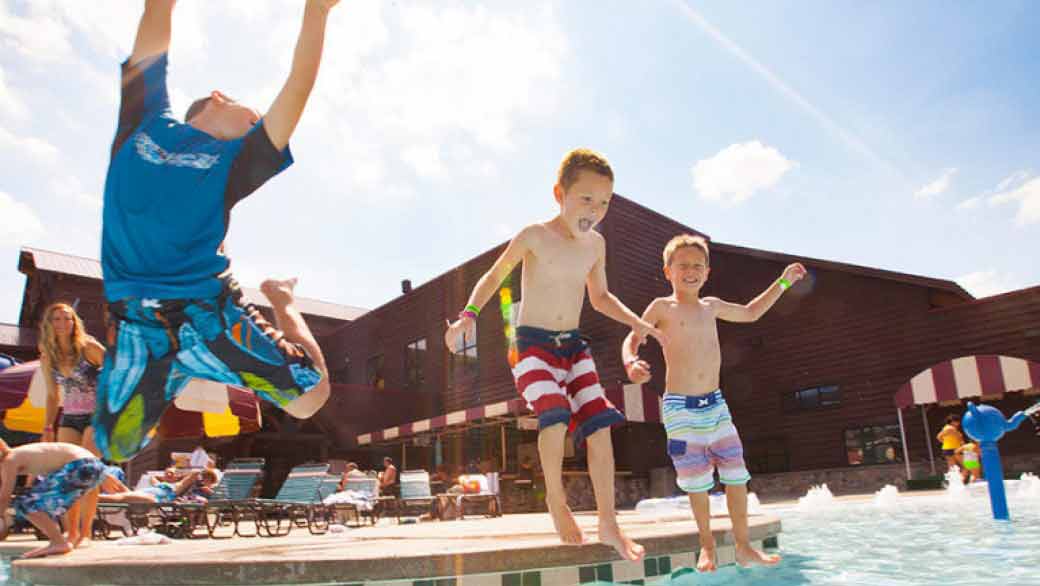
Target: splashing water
{"x": 955, "y": 489}
{"x": 678, "y": 507}
{"x": 887, "y": 497}
{"x": 818, "y": 498}
{"x": 1029, "y": 486}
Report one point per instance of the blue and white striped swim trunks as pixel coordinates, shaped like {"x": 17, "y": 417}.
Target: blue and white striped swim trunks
{"x": 701, "y": 439}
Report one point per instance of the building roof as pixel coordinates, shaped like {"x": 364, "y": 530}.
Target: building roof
{"x": 15, "y": 335}
{"x": 941, "y": 284}
{"x": 67, "y": 264}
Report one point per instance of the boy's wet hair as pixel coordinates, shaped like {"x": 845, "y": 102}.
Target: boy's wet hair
{"x": 579, "y": 160}
{"x": 196, "y": 107}
{"x": 685, "y": 241}
{"x": 951, "y": 418}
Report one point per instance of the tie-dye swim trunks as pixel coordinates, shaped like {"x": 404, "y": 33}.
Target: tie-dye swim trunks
{"x": 155, "y": 347}
{"x": 701, "y": 439}
{"x": 56, "y": 492}
{"x": 555, "y": 373}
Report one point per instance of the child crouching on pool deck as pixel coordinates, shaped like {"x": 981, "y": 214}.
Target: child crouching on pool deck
{"x": 70, "y": 473}
{"x": 701, "y": 434}
{"x": 555, "y": 372}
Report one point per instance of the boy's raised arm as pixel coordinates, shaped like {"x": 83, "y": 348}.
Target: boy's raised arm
{"x": 280, "y": 121}
{"x": 757, "y": 307}
{"x": 514, "y": 253}
{"x": 153, "y": 32}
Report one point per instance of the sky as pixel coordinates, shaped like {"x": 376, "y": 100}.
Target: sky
{"x": 895, "y": 135}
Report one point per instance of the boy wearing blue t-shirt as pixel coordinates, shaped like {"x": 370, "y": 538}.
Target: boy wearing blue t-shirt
{"x": 174, "y": 310}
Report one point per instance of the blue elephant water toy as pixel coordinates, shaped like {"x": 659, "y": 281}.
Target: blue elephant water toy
{"x": 986, "y": 425}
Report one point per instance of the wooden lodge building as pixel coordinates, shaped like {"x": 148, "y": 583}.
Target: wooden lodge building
{"x": 811, "y": 385}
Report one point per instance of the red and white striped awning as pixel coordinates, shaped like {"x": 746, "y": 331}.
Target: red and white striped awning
{"x": 637, "y": 402}
{"x": 967, "y": 377}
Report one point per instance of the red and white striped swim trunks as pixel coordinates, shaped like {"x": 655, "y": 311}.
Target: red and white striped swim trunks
{"x": 557, "y": 377}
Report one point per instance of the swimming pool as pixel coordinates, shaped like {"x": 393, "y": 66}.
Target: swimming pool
{"x": 905, "y": 540}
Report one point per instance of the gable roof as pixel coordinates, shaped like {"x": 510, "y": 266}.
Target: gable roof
{"x": 68, "y": 264}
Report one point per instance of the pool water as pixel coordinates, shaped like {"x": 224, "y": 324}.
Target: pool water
{"x": 907, "y": 541}
{"x": 895, "y": 540}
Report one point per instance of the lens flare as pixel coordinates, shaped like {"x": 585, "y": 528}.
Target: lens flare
{"x": 505, "y": 304}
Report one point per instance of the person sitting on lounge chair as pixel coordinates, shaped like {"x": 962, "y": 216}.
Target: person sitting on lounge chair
{"x": 114, "y": 491}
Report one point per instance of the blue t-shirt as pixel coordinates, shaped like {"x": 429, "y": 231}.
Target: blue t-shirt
{"x": 169, "y": 193}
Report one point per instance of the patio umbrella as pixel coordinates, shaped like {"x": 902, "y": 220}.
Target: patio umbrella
{"x": 211, "y": 409}
{"x": 23, "y": 397}
{"x": 204, "y": 408}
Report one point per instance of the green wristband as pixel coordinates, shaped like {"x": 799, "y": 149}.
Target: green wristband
{"x": 473, "y": 308}
{"x": 784, "y": 284}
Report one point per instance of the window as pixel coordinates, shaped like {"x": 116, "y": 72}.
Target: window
{"x": 814, "y": 398}
{"x": 414, "y": 358}
{"x": 463, "y": 364}
{"x": 342, "y": 374}
{"x": 374, "y": 372}
{"x": 878, "y": 444}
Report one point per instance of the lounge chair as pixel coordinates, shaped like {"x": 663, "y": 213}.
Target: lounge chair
{"x": 225, "y": 511}
{"x": 484, "y": 499}
{"x": 414, "y": 493}
{"x": 368, "y": 486}
{"x": 298, "y": 503}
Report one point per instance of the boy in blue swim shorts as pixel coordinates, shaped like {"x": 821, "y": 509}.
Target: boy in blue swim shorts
{"x": 175, "y": 312}
{"x": 702, "y": 438}
{"x": 69, "y": 473}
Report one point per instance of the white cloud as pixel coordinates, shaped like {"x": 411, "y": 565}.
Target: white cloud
{"x": 1023, "y": 189}
{"x": 971, "y": 203}
{"x": 1016, "y": 178}
{"x": 425, "y": 160}
{"x": 21, "y": 224}
{"x": 44, "y": 30}
{"x": 988, "y": 282}
{"x": 11, "y": 104}
{"x": 69, "y": 188}
{"x": 35, "y": 33}
{"x": 35, "y": 148}
{"x": 938, "y": 186}
{"x": 736, "y": 172}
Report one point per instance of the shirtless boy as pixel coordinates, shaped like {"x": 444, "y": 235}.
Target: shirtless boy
{"x": 555, "y": 373}
{"x": 701, "y": 434}
{"x": 69, "y": 472}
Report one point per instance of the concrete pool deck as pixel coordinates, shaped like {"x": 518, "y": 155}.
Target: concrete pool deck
{"x": 472, "y": 552}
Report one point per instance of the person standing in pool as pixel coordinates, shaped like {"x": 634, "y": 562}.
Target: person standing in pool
{"x": 702, "y": 438}
{"x": 952, "y": 438}
{"x": 175, "y": 312}
{"x": 562, "y": 259}
{"x": 970, "y": 458}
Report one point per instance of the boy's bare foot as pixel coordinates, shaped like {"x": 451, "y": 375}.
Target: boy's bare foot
{"x": 566, "y": 527}
{"x": 49, "y": 549}
{"x": 279, "y": 292}
{"x": 706, "y": 560}
{"x": 749, "y": 556}
{"x": 80, "y": 542}
{"x": 610, "y": 534}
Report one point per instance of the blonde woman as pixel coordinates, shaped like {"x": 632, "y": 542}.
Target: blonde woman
{"x": 69, "y": 357}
